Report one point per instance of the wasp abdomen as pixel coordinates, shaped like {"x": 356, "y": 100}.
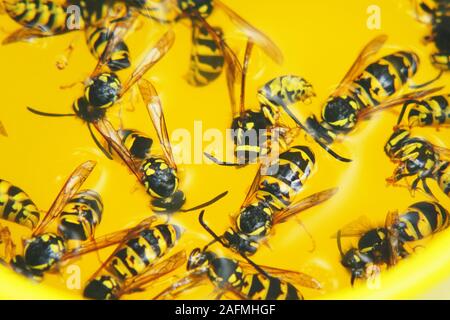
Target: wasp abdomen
{"x": 16, "y": 206}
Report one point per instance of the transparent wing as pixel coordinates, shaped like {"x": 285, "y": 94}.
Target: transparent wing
{"x": 442, "y": 151}
{"x": 24, "y": 34}
{"x": 392, "y": 219}
{"x": 70, "y": 188}
{"x": 105, "y": 128}
{"x": 253, "y": 187}
{"x": 165, "y": 267}
{"x": 390, "y": 103}
{"x": 119, "y": 237}
{"x": 293, "y": 277}
{"x": 356, "y": 228}
{"x": 248, "y": 53}
{"x": 150, "y": 59}
{"x": 153, "y": 103}
{"x": 192, "y": 280}
{"x": 360, "y": 63}
{"x": 256, "y": 36}
{"x": 304, "y": 204}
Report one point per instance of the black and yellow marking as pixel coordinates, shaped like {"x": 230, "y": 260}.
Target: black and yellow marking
{"x": 432, "y": 111}
{"x": 49, "y": 17}
{"x": 80, "y": 216}
{"x": 97, "y": 39}
{"x": 260, "y": 287}
{"x": 137, "y": 143}
{"x": 138, "y": 253}
{"x": 16, "y": 206}
{"x": 422, "y": 220}
{"x": 207, "y": 60}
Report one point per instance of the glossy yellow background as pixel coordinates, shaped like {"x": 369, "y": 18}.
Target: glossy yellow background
{"x": 320, "y": 40}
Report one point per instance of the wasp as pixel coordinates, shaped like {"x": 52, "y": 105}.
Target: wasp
{"x": 438, "y": 16}
{"x": 432, "y": 111}
{"x": 77, "y": 214}
{"x": 104, "y": 89}
{"x": 416, "y": 156}
{"x": 239, "y": 279}
{"x": 209, "y": 52}
{"x": 158, "y": 174}
{"x": 386, "y": 245}
{"x": 270, "y": 200}
{"x": 365, "y": 88}
{"x": 256, "y": 130}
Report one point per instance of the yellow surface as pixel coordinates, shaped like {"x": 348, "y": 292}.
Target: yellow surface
{"x": 320, "y": 40}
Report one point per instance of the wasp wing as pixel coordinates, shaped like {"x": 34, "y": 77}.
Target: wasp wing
{"x": 119, "y": 237}
{"x": 154, "y": 108}
{"x": 304, "y": 204}
{"x": 156, "y": 53}
{"x": 391, "y": 222}
{"x": 69, "y": 189}
{"x": 158, "y": 270}
{"x": 360, "y": 63}
{"x": 117, "y": 32}
{"x": 355, "y": 228}
{"x": 293, "y": 277}
{"x": 25, "y": 34}
{"x": 233, "y": 68}
{"x": 390, "y": 103}
{"x": 192, "y": 280}
{"x": 255, "y": 35}
{"x": 105, "y": 128}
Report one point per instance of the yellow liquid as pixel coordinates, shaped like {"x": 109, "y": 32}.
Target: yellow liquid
{"x": 320, "y": 40}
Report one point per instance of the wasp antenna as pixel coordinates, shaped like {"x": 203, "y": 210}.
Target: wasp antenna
{"x": 418, "y": 86}
{"x": 99, "y": 145}
{"x": 207, "y": 203}
{"x": 221, "y": 163}
{"x": 208, "y": 229}
{"x": 46, "y": 114}
{"x": 339, "y": 243}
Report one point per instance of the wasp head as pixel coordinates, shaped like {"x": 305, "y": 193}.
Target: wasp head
{"x": 103, "y": 287}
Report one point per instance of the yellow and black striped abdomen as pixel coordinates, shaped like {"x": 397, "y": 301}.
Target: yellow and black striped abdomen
{"x": 16, "y": 206}
{"x": 284, "y": 180}
{"x": 143, "y": 250}
{"x": 136, "y": 142}
{"x": 384, "y": 78}
{"x": 47, "y": 16}
{"x": 422, "y": 220}
{"x": 97, "y": 39}
{"x": 206, "y": 57}
{"x": 81, "y": 215}
{"x": 430, "y": 111}
{"x": 259, "y": 287}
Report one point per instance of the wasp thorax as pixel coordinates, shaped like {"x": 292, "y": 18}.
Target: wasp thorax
{"x": 395, "y": 142}
{"x": 159, "y": 178}
{"x": 44, "y": 251}
{"x": 103, "y": 287}
{"x": 202, "y": 7}
{"x": 103, "y": 90}
{"x": 255, "y": 219}
{"x": 340, "y": 113}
